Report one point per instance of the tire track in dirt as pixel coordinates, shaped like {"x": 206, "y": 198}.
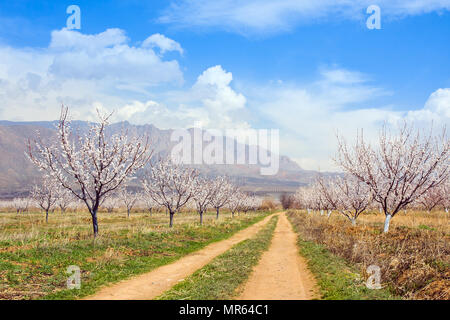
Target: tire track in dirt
{"x": 150, "y": 285}
{"x": 281, "y": 274}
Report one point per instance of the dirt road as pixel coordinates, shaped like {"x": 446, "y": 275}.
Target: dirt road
{"x": 152, "y": 284}
{"x": 281, "y": 273}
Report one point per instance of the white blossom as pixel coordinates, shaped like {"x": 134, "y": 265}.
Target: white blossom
{"x": 400, "y": 169}
{"x": 170, "y": 185}
{"x": 91, "y": 165}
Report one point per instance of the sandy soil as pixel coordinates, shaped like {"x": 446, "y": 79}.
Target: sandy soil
{"x": 282, "y": 273}
{"x": 152, "y": 284}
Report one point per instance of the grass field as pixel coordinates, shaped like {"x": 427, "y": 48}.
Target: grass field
{"x": 34, "y": 255}
{"x": 414, "y": 257}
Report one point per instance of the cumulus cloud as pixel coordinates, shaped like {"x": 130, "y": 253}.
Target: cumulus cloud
{"x": 274, "y": 16}
{"x": 108, "y": 56}
{"x": 105, "y": 71}
{"x": 211, "y": 103}
{"x": 65, "y": 40}
{"x": 79, "y": 70}
{"x": 437, "y": 108}
{"x": 163, "y": 43}
{"x": 311, "y": 115}
{"x": 213, "y": 86}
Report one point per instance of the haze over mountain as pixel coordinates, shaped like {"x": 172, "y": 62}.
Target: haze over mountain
{"x": 18, "y": 174}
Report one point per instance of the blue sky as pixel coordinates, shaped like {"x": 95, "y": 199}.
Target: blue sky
{"x": 306, "y": 67}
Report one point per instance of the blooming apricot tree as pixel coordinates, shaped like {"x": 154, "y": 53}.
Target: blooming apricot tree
{"x": 92, "y": 165}
{"x": 400, "y": 169}
{"x": 235, "y": 202}
{"x": 128, "y": 198}
{"x": 202, "y": 195}
{"x": 65, "y": 198}
{"x": 46, "y": 195}
{"x": 348, "y": 195}
{"x": 432, "y": 198}
{"x": 21, "y": 204}
{"x": 223, "y": 191}
{"x": 111, "y": 202}
{"x": 170, "y": 185}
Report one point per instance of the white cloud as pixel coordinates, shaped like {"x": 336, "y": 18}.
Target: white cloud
{"x": 213, "y": 86}
{"x": 104, "y": 71}
{"x": 310, "y": 116}
{"x": 273, "y": 16}
{"x": 437, "y": 108}
{"x": 210, "y": 103}
{"x": 65, "y": 40}
{"x": 108, "y": 56}
{"x": 79, "y": 70}
{"x": 163, "y": 43}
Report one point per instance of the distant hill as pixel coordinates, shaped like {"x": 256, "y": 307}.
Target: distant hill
{"x": 18, "y": 174}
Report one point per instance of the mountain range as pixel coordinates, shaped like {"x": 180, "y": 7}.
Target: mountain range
{"x": 18, "y": 174}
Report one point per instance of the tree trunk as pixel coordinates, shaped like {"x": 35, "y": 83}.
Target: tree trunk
{"x": 46, "y": 216}
{"x": 171, "y": 219}
{"x": 353, "y": 220}
{"x": 201, "y": 218}
{"x": 128, "y": 213}
{"x": 232, "y": 214}
{"x": 217, "y": 213}
{"x": 94, "y": 223}
{"x": 386, "y": 222}
{"x": 329, "y": 213}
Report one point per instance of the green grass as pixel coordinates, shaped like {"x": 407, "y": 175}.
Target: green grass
{"x": 35, "y": 256}
{"x": 425, "y": 227}
{"x": 219, "y": 279}
{"x": 337, "y": 279}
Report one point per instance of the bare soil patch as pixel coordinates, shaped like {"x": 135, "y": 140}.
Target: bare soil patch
{"x": 282, "y": 274}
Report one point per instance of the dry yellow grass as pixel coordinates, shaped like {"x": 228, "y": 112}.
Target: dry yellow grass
{"x": 438, "y": 219}
{"x": 414, "y": 256}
